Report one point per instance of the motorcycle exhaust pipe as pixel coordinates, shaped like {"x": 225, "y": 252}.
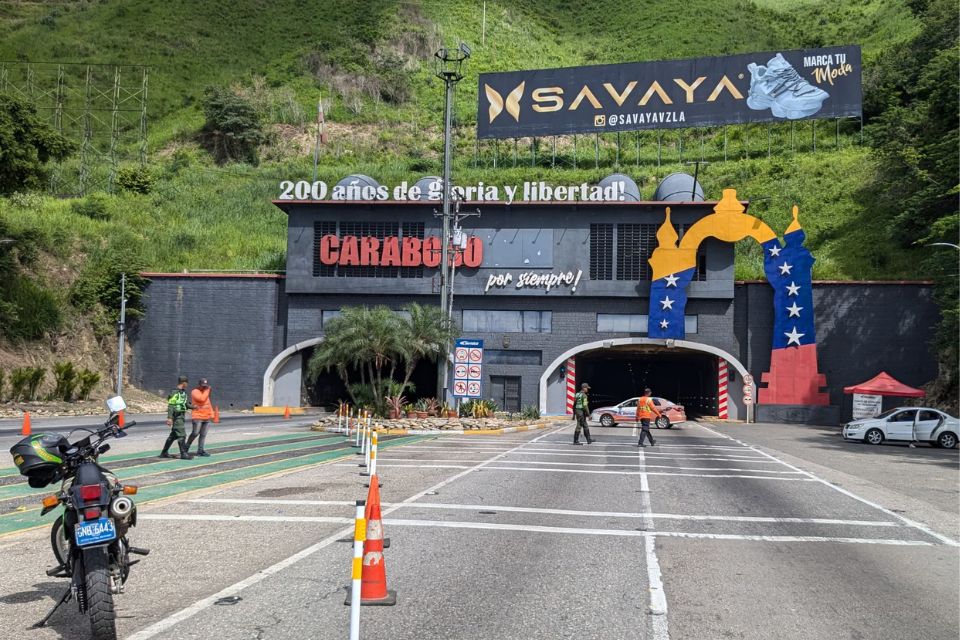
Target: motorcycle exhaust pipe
{"x": 121, "y": 507}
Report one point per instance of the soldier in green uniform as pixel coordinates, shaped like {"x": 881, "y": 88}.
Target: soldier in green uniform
{"x": 581, "y": 409}
{"x": 177, "y": 405}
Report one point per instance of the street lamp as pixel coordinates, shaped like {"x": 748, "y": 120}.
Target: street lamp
{"x": 449, "y": 65}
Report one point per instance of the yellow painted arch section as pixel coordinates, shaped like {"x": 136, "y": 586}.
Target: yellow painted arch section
{"x": 728, "y": 222}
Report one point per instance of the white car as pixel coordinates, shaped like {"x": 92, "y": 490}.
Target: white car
{"x": 932, "y": 426}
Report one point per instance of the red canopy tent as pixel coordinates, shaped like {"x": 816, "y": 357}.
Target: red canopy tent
{"x": 883, "y": 384}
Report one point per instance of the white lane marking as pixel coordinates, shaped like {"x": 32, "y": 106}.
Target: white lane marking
{"x": 912, "y": 523}
{"x": 567, "y": 452}
{"x": 411, "y": 466}
{"x": 658, "y": 598}
{"x": 163, "y": 625}
{"x": 598, "y": 471}
{"x": 568, "y": 512}
{"x": 561, "y": 512}
{"x": 496, "y": 526}
{"x": 386, "y": 460}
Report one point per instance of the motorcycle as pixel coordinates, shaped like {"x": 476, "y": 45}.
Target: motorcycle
{"x": 89, "y": 538}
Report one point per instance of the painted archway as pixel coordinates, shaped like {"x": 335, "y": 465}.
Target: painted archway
{"x": 619, "y": 342}
{"x": 286, "y": 369}
{"x": 793, "y": 377}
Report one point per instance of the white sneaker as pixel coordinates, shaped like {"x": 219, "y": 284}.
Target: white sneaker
{"x": 780, "y": 88}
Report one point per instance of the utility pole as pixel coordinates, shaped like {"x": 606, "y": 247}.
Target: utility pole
{"x": 121, "y": 330}
{"x": 449, "y": 63}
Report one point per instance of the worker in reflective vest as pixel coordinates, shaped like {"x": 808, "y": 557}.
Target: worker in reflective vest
{"x": 646, "y": 410}
{"x": 201, "y": 416}
{"x": 581, "y": 409}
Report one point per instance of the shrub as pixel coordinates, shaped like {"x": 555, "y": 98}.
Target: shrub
{"x": 34, "y": 380}
{"x": 530, "y": 412}
{"x": 93, "y": 206}
{"x": 135, "y": 180}
{"x": 19, "y": 380}
{"x": 99, "y": 284}
{"x": 65, "y": 381}
{"x": 2, "y": 376}
{"x": 232, "y": 131}
{"x": 87, "y": 380}
{"x": 28, "y": 310}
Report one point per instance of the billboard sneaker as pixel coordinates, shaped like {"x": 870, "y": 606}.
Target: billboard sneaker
{"x": 778, "y": 87}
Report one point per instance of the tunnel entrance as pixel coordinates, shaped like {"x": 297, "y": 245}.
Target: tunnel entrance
{"x": 682, "y": 376}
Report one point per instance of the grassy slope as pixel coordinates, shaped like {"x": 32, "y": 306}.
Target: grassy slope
{"x": 204, "y": 217}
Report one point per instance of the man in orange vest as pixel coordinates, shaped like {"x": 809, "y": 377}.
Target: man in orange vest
{"x": 202, "y": 415}
{"x": 645, "y": 412}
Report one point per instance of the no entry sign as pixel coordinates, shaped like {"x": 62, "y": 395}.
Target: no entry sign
{"x": 468, "y": 368}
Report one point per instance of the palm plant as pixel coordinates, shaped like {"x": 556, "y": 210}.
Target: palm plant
{"x": 427, "y": 336}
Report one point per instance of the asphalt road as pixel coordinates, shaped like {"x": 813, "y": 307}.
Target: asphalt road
{"x": 526, "y": 536}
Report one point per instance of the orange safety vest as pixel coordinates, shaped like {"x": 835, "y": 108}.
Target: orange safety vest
{"x": 202, "y": 409}
{"x": 646, "y": 408}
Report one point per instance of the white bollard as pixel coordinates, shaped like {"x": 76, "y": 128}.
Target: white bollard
{"x": 359, "y": 537}
{"x": 367, "y": 439}
{"x": 373, "y": 455}
{"x": 340, "y": 418}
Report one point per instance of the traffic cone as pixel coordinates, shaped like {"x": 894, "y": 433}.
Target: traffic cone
{"x": 216, "y": 415}
{"x": 26, "y": 425}
{"x": 373, "y": 580}
{"x": 120, "y": 420}
{"x": 286, "y": 412}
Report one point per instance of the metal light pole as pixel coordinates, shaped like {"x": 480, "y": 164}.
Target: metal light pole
{"x": 121, "y": 329}
{"x": 448, "y": 69}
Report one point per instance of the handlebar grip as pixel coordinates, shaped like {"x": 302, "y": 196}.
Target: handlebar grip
{"x": 132, "y": 423}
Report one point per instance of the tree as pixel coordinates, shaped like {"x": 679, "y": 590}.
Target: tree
{"x": 27, "y": 144}
{"x": 232, "y": 131}
{"x": 367, "y": 346}
{"x": 912, "y": 94}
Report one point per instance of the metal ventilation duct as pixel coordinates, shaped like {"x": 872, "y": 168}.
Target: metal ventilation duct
{"x": 424, "y": 185}
{"x": 679, "y": 187}
{"x": 631, "y": 192}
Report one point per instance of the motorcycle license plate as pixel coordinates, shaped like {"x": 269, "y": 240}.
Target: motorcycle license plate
{"x": 95, "y": 531}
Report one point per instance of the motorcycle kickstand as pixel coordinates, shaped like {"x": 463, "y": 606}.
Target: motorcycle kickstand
{"x": 65, "y": 598}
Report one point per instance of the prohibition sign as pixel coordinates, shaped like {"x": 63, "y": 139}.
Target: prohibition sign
{"x": 473, "y": 389}
{"x": 460, "y": 371}
{"x": 461, "y": 355}
{"x": 460, "y": 388}
{"x": 474, "y": 372}
{"x": 476, "y": 355}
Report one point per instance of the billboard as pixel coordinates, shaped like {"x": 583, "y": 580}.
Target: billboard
{"x": 771, "y": 86}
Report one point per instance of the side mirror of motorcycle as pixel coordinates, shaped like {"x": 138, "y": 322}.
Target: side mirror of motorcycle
{"x": 103, "y": 448}
{"x": 116, "y": 404}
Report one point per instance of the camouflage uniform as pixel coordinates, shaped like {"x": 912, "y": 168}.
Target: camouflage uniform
{"x": 177, "y": 405}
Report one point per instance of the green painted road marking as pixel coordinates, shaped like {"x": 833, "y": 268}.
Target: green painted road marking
{"x": 161, "y": 465}
{"x": 17, "y": 521}
{"x": 12, "y": 471}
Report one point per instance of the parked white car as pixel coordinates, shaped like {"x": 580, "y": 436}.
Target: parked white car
{"x": 932, "y": 426}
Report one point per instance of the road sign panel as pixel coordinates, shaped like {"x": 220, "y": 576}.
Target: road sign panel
{"x": 748, "y": 379}
{"x": 747, "y": 390}
{"x": 473, "y": 389}
{"x": 460, "y": 371}
{"x": 460, "y": 355}
{"x": 747, "y": 399}
{"x": 473, "y": 372}
{"x": 476, "y": 355}
{"x": 460, "y": 387}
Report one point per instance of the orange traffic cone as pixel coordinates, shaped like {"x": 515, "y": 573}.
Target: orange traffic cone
{"x": 216, "y": 415}
{"x": 373, "y": 580}
{"x": 26, "y": 425}
{"x": 286, "y": 412}
{"x": 120, "y": 420}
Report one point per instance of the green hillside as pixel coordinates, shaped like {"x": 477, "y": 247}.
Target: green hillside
{"x": 372, "y": 62}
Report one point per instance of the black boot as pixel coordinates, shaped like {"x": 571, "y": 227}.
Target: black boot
{"x": 166, "y": 448}
{"x": 190, "y": 440}
{"x": 184, "y": 454}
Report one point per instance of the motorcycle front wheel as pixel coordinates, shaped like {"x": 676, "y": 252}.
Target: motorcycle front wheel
{"x": 99, "y": 597}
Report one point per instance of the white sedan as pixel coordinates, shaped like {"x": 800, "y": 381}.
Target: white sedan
{"x": 906, "y": 424}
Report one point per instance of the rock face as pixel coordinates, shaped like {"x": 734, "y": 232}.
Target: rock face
{"x": 434, "y": 424}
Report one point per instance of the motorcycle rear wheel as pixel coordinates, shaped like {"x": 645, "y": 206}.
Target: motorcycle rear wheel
{"x": 99, "y": 597}
{"x": 60, "y": 543}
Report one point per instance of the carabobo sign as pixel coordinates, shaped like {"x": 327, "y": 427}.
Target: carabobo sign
{"x": 392, "y": 251}
{"x": 754, "y": 87}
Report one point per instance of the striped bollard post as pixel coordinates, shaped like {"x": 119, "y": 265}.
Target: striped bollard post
{"x": 366, "y": 452}
{"x": 357, "y": 425}
{"x": 722, "y": 383}
{"x": 359, "y": 537}
{"x": 373, "y": 455}
{"x": 340, "y": 417}
{"x": 571, "y": 383}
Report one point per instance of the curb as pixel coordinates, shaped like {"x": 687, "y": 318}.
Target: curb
{"x": 458, "y": 432}
{"x": 279, "y": 411}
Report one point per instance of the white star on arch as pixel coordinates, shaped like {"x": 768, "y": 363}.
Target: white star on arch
{"x": 774, "y": 251}
{"x": 793, "y": 336}
{"x": 785, "y": 269}
{"x": 671, "y": 280}
{"x": 794, "y": 310}
{"x": 667, "y": 303}
{"x": 664, "y": 324}
{"x": 793, "y": 289}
